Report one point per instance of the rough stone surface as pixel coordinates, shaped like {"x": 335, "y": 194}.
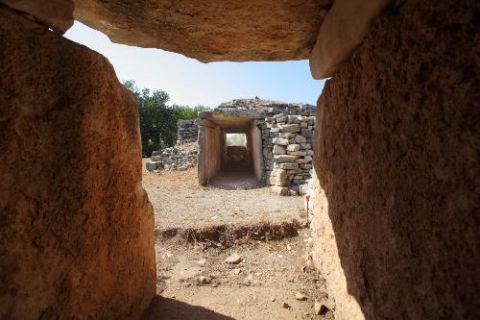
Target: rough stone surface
{"x": 56, "y": 14}
{"x": 233, "y": 259}
{"x": 76, "y": 227}
{"x": 187, "y": 131}
{"x": 343, "y": 30}
{"x": 397, "y": 152}
{"x": 278, "y": 126}
{"x": 216, "y": 30}
{"x": 179, "y": 157}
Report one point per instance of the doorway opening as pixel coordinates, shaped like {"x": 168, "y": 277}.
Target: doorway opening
{"x": 230, "y": 151}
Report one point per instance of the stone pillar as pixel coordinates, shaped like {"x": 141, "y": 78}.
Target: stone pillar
{"x": 209, "y": 152}
{"x": 255, "y": 135}
{"x": 76, "y": 227}
{"x": 397, "y": 154}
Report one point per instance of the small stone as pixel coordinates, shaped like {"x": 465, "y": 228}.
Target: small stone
{"x": 237, "y": 271}
{"x": 321, "y": 307}
{"x": 286, "y": 306}
{"x": 272, "y": 299}
{"x": 300, "y": 296}
{"x": 233, "y": 259}
{"x": 280, "y": 141}
{"x": 201, "y": 262}
{"x": 278, "y": 149}
{"x": 293, "y": 147}
{"x": 248, "y": 281}
{"x": 201, "y": 280}
{"x": 289, "y": 127}
{"x": 284, "y": 158}
{"x": 297, "y": 153}
{"x": 150, "y": 166}
{"x": 300, "y": 139}
{"x": 288, "y": 165}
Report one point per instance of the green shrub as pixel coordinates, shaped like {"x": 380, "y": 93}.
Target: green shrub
{"x": 158, "y": 121}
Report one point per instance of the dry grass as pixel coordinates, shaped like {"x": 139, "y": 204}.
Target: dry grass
{"x": 229, "y": 235}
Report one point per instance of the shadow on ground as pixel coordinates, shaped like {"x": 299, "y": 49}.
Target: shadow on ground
{"x": 170, "y": 309}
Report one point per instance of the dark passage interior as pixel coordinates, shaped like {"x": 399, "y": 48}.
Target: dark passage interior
{"x": 236, "y": 153}
{"x": 230, "y": 154}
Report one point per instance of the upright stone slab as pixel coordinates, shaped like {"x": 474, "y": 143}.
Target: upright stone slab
{"x": 76, "y": 227}
{"x": 397, "y": 151}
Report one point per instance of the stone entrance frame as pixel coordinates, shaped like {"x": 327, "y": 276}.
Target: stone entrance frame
{"x": 396, "y": 150}
{"x": 213, "y": 127}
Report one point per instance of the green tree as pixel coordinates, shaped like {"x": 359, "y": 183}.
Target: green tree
{"x": 187, "y": 112}
{"x": 157, "y": 120}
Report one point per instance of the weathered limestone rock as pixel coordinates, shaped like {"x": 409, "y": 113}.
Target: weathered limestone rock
{"x": 56, "y": 14}
{"x": 284, "y": 158}
{"x": 293, "y": 147}
{"x": 179, "y": 157}
{"x": 397, "y": 154}
{"x": 210, "y": 31}
{"x": 343, "y": 29}
{"x": 273, "y": 121}
{"x": 280, "y": 141}
{"x": 278, "y": 150}
{"x": 76, "y": 227}
{"x": 300, "y": 139}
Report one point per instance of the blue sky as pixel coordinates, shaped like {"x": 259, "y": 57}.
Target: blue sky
{"x": 189, "y": 82}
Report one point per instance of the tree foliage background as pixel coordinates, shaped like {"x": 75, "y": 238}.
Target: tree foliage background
{"x": 158, "y": 121}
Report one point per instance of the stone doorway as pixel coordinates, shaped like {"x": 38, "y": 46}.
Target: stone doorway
{"x": 230, "y": 150}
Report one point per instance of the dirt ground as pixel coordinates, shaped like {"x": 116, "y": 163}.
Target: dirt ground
{"x": 193, "y": 279}
{"x": 179, "y": 201}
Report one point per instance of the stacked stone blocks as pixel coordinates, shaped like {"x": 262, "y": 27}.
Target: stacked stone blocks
{"x": 287, "y": 131}
{"x": 287, "y": 147}
{"x": 187, "y": 131}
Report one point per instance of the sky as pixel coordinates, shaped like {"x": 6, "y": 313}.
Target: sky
{"x": 190, "y": 82}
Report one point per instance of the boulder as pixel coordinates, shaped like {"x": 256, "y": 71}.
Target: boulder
{"x": 210, "y": 31}
{"x": 396, "y": 151}
{"x": 76, "y": 235}
{"x": 55, "y": 14}
{"x": 343, "y": 30}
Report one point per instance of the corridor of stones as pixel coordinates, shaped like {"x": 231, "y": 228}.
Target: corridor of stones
{"x": 362, "y": 207}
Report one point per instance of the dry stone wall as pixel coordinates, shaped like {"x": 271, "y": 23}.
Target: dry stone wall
{"x": 236, "y": 30}
{"x": 179, "y": 157}
{"x": 187, "y": 131}
{"x": 287, "y": 132}
{"x": 287, "y": 148}
{"x": 183, "y": 155}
